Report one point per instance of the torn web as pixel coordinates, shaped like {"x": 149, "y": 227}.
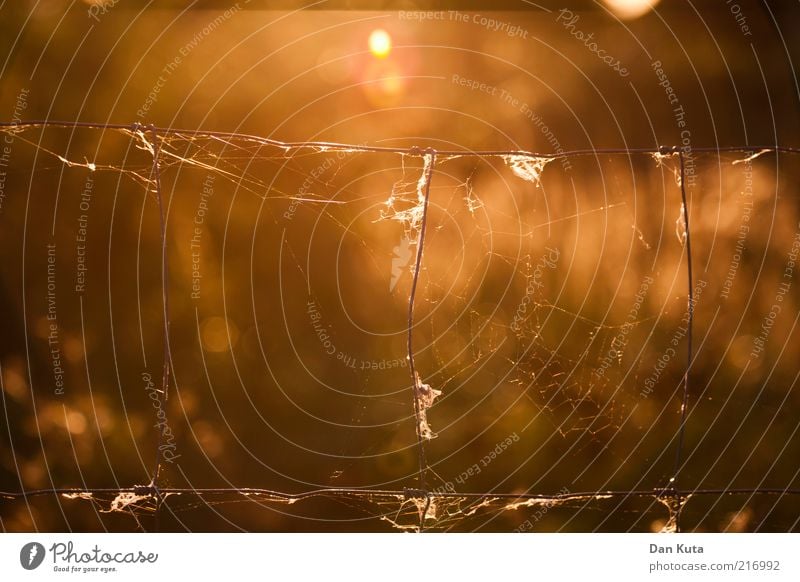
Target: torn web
{"x": 549, "y": 330}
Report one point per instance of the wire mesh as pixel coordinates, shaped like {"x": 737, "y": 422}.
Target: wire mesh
{"x": 418, "y": 504}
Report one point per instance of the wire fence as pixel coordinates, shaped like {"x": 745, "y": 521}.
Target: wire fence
{"x": 419, "y": 495}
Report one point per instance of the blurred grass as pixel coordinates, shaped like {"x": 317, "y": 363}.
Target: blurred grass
{"x": 257, "y": 400}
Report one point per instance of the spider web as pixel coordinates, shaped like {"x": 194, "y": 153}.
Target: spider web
{"x": 426, "y": 339}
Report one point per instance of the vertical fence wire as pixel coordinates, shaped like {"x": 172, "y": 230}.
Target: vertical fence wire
{"x": 165, "y": 373}
{"x": 681, "y": 433}
{"x": 416, "y": 386}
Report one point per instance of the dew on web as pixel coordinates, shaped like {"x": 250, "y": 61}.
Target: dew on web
{"x": 127, "y": 499}
{"x": 640, "y": 236}
{"x": 410, "y": 197}
{"x": 78, "y": 495}
{"x": 425, "y": 396}
{"x": 472, "y": 201}
{"x": 662, "y": 156}
{"x": 662, "y": 159}
{"x": 680, "y": 225}
{"x": 674, "y": 505}
{"x": 751, "y": 157}
{"x": 529, "y": 168}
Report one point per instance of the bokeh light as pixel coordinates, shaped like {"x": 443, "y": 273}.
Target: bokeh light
{"x": 630, "y": 9}
{"x": 380, "y": 43}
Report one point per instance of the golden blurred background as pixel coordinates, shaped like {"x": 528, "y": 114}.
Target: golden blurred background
{"x": 551, "y": 303}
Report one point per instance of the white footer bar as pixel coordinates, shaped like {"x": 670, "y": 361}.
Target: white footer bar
{"x": 400, "y": 557}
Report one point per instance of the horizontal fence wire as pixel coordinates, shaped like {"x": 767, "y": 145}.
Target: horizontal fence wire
{"x": 411, "y": 151}
{"x": 406, "y": 493}
{"x": 672, "y": 493}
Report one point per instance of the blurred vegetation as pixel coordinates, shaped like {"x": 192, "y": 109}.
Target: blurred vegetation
{"x": 289, "y": 313}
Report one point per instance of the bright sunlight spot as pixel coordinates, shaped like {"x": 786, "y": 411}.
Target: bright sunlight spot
{"x": 380, "y": 43}
{"x": 629, "y": 9}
